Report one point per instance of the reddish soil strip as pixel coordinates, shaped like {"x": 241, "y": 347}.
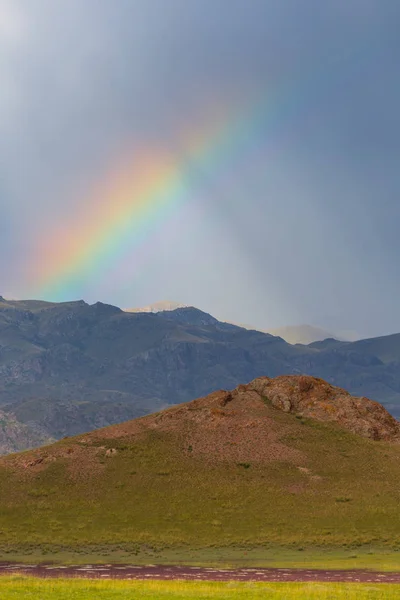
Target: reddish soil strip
{"x": 198, "y": 573}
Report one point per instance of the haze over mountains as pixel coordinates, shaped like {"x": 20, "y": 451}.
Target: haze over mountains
{"x": 66, "y": 368}
{"x": 294, "y": 334}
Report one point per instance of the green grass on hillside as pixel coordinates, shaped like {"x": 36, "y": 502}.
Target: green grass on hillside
{"x": 18, "y": 588}
{"x": 152, "y": 493}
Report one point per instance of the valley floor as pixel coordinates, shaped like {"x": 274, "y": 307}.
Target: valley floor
{"x": 18, "y": 588}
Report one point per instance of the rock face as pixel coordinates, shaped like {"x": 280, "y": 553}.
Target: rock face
{"x": 312, "y": 397}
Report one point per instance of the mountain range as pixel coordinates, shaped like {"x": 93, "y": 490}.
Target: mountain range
{"x": 294, "y": 334}
{"x": 71, "y": 367}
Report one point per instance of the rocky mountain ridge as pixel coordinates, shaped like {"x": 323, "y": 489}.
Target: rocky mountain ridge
{"x": 294, "y": 334}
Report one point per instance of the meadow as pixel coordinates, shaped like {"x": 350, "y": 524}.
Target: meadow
{"x": 16, "y": 588}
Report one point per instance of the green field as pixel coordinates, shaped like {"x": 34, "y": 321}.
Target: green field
{"x": 17, "y": 588}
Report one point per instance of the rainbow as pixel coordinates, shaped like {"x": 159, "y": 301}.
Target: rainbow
{"x": 133, "y": 202}
{"x": 141, "y": 194}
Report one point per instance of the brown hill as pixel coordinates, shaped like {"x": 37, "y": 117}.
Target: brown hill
{"x": 241, "y": 417}
{"x": 242, "y": 424}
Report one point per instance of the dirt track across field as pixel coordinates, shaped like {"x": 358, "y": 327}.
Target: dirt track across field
{"x": 161, "y": 572}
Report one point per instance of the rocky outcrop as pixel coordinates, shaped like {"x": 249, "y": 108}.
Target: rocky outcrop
{"x": 315, "y": 398}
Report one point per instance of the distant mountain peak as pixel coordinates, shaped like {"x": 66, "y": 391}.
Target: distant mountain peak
{"x": 190, "y": 315}
{"x": 161, "y": 306}
{"x": 106, "y": 308}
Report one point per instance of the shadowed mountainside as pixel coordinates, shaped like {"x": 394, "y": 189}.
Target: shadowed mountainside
{"x": 16, "y": 436}
{"x": 71, "y": 367}
{"x": 302, "y": 334}
{"x": 287, "y": 461}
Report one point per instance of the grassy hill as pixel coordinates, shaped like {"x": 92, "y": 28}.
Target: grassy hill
{"x": 229, "y": 470}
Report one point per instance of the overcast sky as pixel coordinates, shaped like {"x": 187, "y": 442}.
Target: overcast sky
{"x": 301, "y": 227}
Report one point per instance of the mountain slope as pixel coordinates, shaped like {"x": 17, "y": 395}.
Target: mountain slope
{"x": 297, "y": 334}
{"x": 385, "y": 348}
{"x": 235, "y": 467}
{"x": 294, "y": 334}
{"x": 16, "y": 436}
{"x": 307, "y": 334}
{"x": 302, "y": 334}
{"x": 68, "y": 368}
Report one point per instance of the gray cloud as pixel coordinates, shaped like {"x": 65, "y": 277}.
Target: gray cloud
{"x": 301, "y": 228}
